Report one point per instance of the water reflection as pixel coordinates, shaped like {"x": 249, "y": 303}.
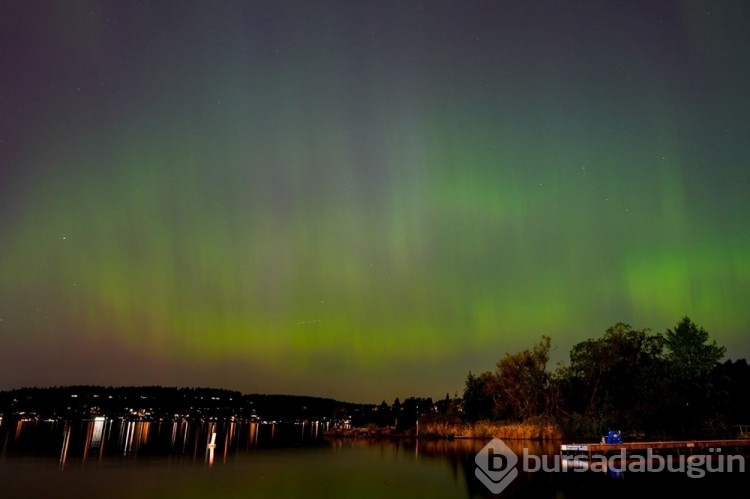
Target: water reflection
{"x": 107, "y": 436}
{"x": 102, "y": 437}
{"x": 123, "y": 459}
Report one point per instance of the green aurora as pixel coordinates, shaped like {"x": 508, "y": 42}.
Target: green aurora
{"x": 362, "y": 201}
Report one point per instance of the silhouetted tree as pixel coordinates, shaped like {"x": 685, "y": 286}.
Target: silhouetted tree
{"x": 520, "y": 383}
{"x": 478, "y": 402}
{"x": 616, "y": 379}
{"x": 688, "y": 351}
{"x": 731, "y": 380}
{"x": 692, "y": 359}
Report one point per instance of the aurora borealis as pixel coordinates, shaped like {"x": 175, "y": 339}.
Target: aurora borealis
{"x": 361, "y": 199}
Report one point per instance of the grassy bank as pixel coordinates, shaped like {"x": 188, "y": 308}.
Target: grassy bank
{"x": 487, "y": 429}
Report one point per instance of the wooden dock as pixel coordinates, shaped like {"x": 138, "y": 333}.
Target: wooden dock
{"x": 686, "y": 446}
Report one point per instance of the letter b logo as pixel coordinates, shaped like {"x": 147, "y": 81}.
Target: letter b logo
{"x": 496, "y": 465}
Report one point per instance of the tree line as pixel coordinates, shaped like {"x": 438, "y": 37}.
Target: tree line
{"x": 160, "y": 402}
{"x": 670, "y": 385}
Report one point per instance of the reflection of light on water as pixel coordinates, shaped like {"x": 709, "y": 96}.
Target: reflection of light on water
{"x": 211, "y": 445}
{"x": 19, "y": 428}
{"x": 144, "y": 430}
{"x": 133, "y": 434}
{"x": 574, "y": 464}
{"x": 94, "y": 436}
{"x": 98, "y": 431}
{"x": 64, "y": 451}
{"x": 253, "y": 437}
{"x": 98, "y": 437}
{"x": 185, "y": 436}
{"x": 179, "y": 429}
{"x": 229, "y": 439}
{"x": 129, "y": 427}
{"x": 174, "y": 433}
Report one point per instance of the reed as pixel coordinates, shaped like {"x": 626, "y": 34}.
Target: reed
{"x": 533, "y": 430}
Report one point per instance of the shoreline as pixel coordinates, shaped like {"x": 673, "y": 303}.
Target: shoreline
{"x": 444, "y": 431}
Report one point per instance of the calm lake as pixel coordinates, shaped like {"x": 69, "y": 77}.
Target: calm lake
{"x": 121, "y": 459}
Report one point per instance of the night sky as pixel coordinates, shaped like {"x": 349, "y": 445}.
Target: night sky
{"x": 363, "y": 199}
